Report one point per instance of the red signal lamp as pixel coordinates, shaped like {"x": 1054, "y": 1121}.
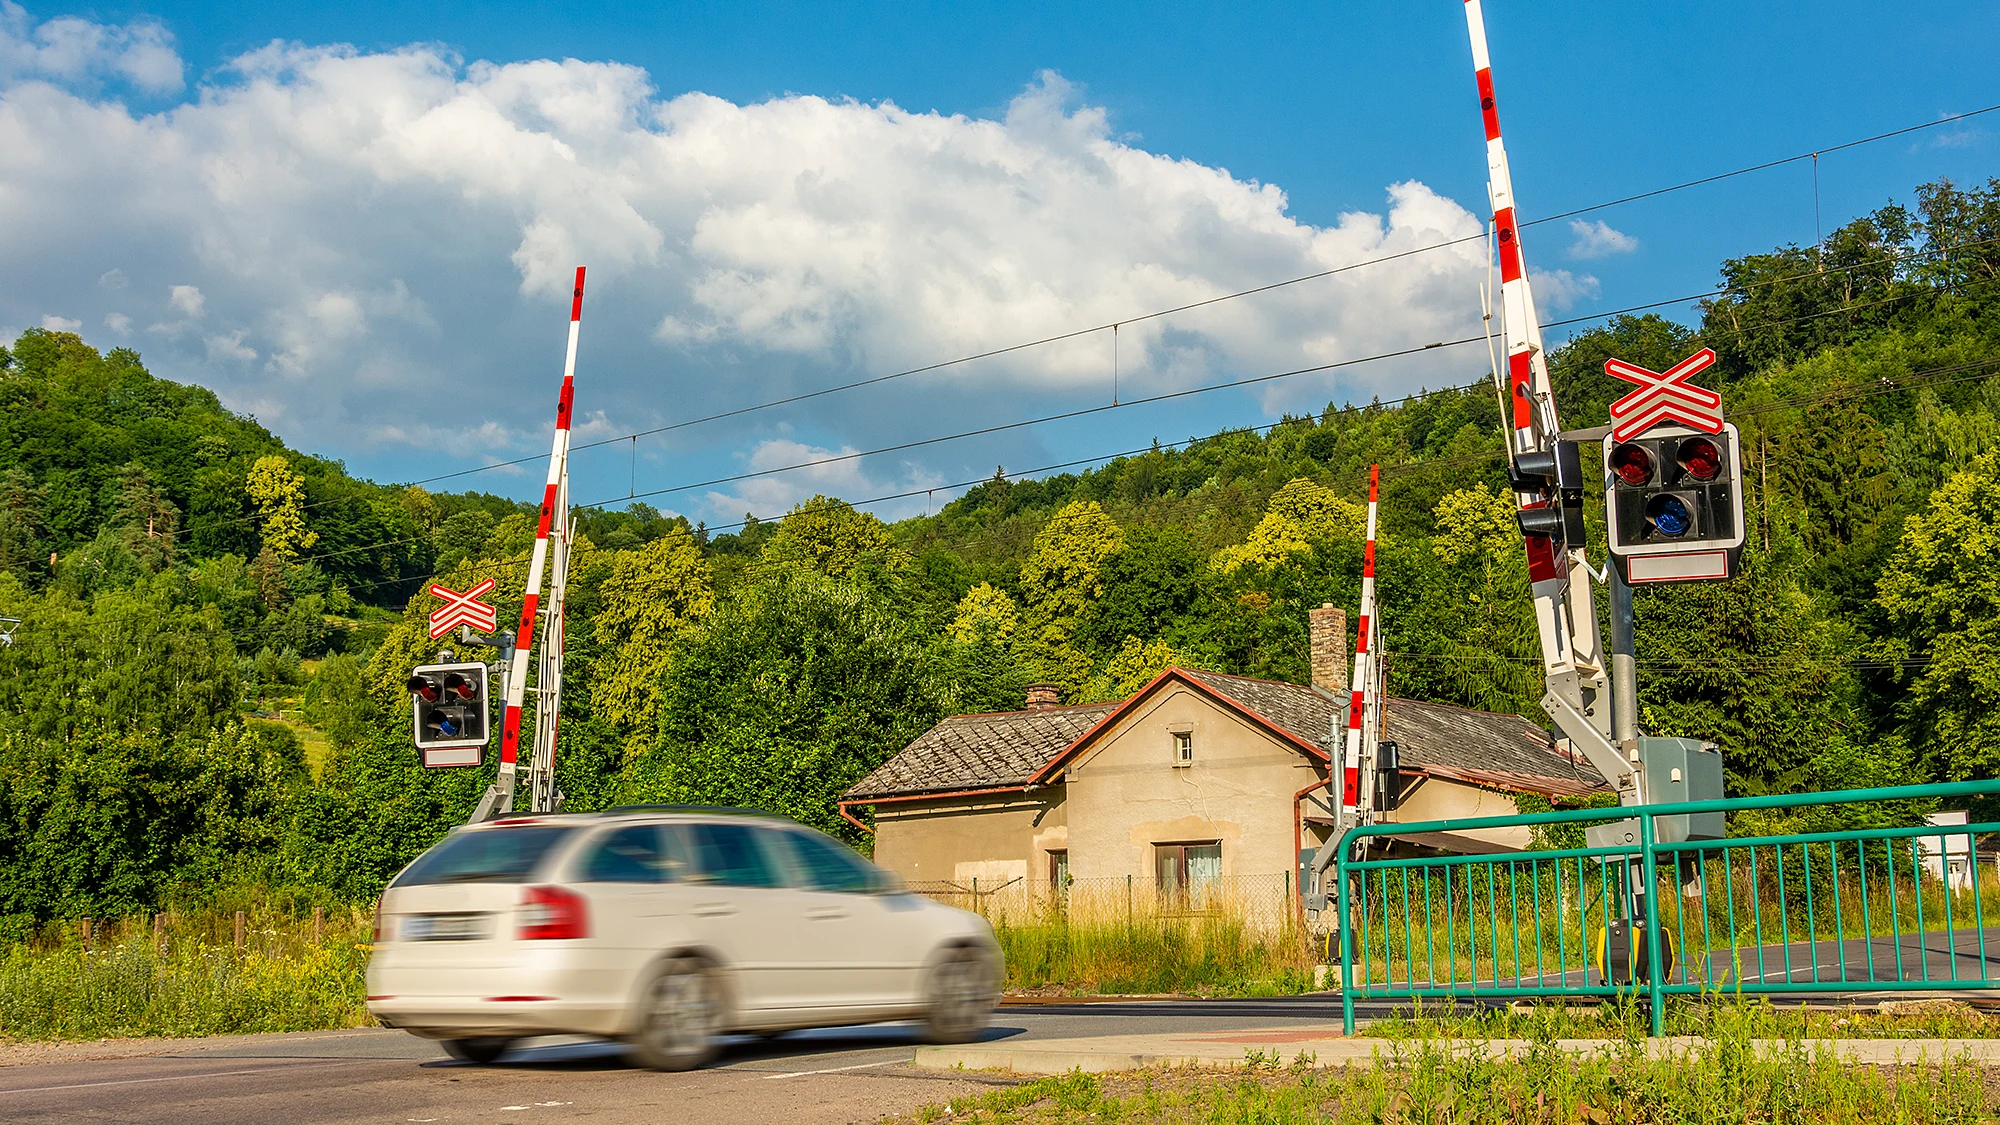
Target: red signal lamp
{"x": 458, "y": 685}
{"x": 424, "y": 688}
{"x": 1700, "y": 459}
{"x": 1633, "y": 463}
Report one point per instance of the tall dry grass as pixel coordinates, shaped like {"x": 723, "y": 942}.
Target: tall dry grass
{"x": 186, "y": 977}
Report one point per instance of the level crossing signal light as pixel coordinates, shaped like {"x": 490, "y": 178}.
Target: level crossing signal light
{"x": 1555, "y": 475}
{"x": 449, "y": 709}
{"x": 1674, "y": 504}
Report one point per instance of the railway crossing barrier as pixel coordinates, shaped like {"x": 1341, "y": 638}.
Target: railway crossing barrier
{"x": 1840, "y": 912}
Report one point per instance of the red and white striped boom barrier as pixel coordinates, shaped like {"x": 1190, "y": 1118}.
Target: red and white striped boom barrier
{"x": 1351, "y": 795}
{"x": 555, "y": 507}
{"x": 1578, "y": 691}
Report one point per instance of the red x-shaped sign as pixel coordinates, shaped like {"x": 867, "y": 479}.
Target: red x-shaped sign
{"x": 462, "y": 609}
{"x": 1664, "y": 396}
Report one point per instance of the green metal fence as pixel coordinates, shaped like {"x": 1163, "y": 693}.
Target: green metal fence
{"x": 1852, "y": 911}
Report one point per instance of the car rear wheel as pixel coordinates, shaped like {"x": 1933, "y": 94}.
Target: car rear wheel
{"x": 680, "y": 1011}
{"x": 481, "y": 1050}
{"x": 959, "y": 996}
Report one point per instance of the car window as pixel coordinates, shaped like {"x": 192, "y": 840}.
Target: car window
{"x": 485, "y": 855}
{"x": 825, "y": 864}
{"x": 734, "y": 856}
{"x": 632, "y": 854}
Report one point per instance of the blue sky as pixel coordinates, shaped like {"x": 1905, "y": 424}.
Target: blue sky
{"x": 420, "y": 280}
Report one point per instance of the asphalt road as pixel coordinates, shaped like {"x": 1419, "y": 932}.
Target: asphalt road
{"x": 376, "y": 1075}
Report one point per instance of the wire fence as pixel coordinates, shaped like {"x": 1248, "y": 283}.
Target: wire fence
{"x": 1265, "y": 903}
{"x": 1863, "y": 910}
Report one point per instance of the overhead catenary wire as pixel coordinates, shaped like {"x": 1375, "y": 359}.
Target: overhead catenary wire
{"x": 1198, "y": 390}
{"x": 1189, "y": 306}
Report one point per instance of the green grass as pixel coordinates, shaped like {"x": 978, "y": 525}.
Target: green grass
{"x": 1713, "y": 1017}
{"x": 1423, "y": 1082}
{"x": 1203, "y": 956}
{"x": 122, "y": 984}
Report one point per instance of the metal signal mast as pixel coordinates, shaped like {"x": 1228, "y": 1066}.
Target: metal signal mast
{"x": 1548, "y": 481}
{"x": 550, "y": 560}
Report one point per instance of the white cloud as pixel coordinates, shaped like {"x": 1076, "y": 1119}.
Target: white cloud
{"x": 60, "y": 323}
{"x": 69, "y": 48}
{"x": 119, "y": 324}
{"x": 188, "y": 299}
{"x": 357, "y": 228}
{"x": 1597, "y": 239}
{"x": 1560, "y": 289}
{"x": 847, "y": 478}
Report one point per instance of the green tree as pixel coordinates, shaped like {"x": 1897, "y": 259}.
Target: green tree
{"x": 1940, "y": 594}
{"x": 1063, "y": 576}
{"x": 787, "y": 695}
{"x": 828, "y": 536}
{"x": 650, "y": 598}
{"x": 280, "y": 496}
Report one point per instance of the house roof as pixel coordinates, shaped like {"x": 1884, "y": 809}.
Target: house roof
{"x": 985, "y": 751}
{"x": 1484, "y": 748}
{"x": 1014, "y": 749}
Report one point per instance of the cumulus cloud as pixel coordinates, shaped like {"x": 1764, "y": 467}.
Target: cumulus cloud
{"x": 1560, "y": 290}
{"x": 56, "y": 323}
{"x": 70, "y": 49}
{"x": 340, "y": 240}
{"x": 832, "y": 472}
{"x": 1597, "y": 239}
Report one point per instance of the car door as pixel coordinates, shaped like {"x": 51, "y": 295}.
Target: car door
{"x": 864, "y": 948}
{"x": 737, "y": 903}
{"x": 622, "y": 875}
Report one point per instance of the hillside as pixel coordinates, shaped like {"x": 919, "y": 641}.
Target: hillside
{"x": 206, "y": 686}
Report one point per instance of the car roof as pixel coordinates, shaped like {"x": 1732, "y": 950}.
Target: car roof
{"x": 635, "y": 812}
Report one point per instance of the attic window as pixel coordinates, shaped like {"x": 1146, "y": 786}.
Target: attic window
{"x": 1183, "y": 747}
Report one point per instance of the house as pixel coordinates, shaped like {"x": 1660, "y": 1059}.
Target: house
{"x": 1949, "y": 859}
{"x": 1196, "y": 777}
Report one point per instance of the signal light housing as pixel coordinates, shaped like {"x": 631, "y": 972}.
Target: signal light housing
{"x": 449, "y": 713}
{"x": 1674, "y": 504}
{"x": 1632, "y": 464}
{"x": 1556, "y": 475}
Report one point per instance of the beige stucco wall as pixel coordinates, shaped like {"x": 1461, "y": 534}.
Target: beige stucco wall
{"x": 1125, "y": 794}
{"x": 993, "y": 838}
{"x": 1441, "y": 799}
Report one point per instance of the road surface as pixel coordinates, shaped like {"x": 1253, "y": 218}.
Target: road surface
{"x": 377, "y": 1075}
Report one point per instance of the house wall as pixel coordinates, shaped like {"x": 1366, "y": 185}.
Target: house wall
{"x": 993, "y": 839}
{"x": 1125, "y": 794}
{"x": 1443, "y": 799}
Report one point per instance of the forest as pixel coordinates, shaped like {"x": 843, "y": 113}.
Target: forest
{"x": 204, "y": 690}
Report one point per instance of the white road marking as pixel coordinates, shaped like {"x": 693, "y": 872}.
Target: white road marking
{"x": 161, "y": 1078}
{"x": 536, "y": 1105}
{"x": 831, "y": 1069}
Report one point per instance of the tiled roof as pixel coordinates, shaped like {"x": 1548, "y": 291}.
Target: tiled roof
{"x": 1308, "y": 715}
{"x": 985, "y": 751}
{"x": 1485, "y": 748}
{"x": 992, "y": 751}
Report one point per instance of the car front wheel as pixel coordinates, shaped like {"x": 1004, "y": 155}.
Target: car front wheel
{"x": 680, "y": 1012}
{"x": 959, "y": 997}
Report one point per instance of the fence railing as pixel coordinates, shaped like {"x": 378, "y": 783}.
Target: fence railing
{"x": 1861, "y": 910}
{"x": 1266, "y": 903}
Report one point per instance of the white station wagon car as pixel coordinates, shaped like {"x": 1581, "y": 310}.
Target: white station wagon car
{"x": 664, "y": 927}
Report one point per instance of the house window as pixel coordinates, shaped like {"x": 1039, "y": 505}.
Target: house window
{"x": 1188, "y": 871}
{"x": 1059, "y": 868}
{"x": 1183, "y": 747}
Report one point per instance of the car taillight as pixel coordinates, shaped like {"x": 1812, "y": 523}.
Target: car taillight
{"x": 552, "y": 914}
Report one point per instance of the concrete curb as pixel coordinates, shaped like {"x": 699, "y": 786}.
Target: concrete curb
{"x": 1327, "y": 1048}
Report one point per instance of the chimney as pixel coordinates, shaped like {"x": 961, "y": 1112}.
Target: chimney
{"x": 1328, "y": 632}
{"x": 1041, "y": 697}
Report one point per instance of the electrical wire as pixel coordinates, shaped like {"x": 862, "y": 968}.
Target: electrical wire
{"x": 1252, "y": 291}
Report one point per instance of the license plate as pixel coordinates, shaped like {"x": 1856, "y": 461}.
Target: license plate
{"x": 445, "y": 927}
